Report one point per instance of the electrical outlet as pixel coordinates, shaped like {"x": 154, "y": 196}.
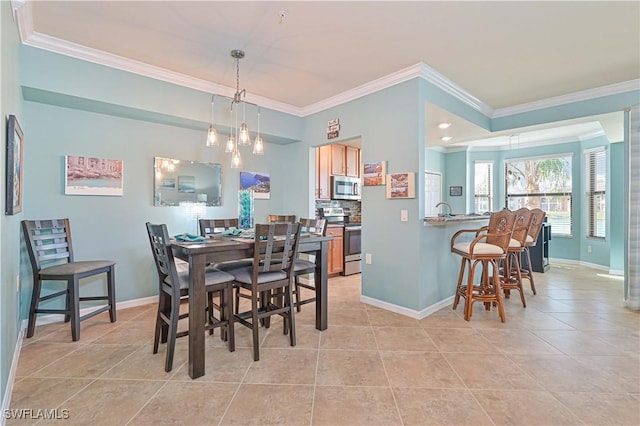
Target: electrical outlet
{"x": 589, "y": 249}
{"x": 404, "y": 215}
{"x": 367, "y": 258}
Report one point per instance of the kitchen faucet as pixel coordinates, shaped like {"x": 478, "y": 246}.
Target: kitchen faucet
{"x": 442, "y": 203}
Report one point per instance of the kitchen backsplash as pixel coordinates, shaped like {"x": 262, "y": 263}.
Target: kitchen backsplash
{"x": 350, "y": 206}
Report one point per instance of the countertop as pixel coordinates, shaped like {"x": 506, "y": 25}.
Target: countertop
{"x": 443, "y": 220}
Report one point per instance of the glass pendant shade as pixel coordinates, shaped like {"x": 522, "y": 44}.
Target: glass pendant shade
{"x": 212, "y": 136}
{"x": 258, "y": 146}
{"x": 231, "y": 145}
{"x": 236, "y": 160}
{"x": 245, "y": 138}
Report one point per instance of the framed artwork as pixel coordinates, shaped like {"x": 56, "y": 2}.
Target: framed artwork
{"x": 374, "y": 173}
{"x": 259, "y": 183}
{"x": 401, "y": 185}
{"x": 92, "y": 176}
{"x": 187, "y": 184}
{"x": 14, "y": 175}
{"x": 455, "y": 191}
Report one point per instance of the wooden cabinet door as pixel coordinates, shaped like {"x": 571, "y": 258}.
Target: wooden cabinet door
{"x": 352, "y": 161}
{"x": 337, "y": 160}
{"x": 323, "y": 172}
{"x": 336, "y": 251}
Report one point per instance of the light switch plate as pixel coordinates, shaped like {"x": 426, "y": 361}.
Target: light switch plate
{"x": 404, "y": 215}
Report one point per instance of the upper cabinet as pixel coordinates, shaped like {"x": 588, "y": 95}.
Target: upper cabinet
{"x": 335, "y": 160}
{"x": 345, "y": 160}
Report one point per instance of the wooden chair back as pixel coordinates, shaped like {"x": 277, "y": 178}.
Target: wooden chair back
{"x": 537, "y": 218}
{"x": 275, "y": 248}
{"x": 210, "y": 227}
{"x": 522, "y": 225}
{"x": 500, "y": 228}
{"x": 48, "y": 242}
{"x": 163, "y": 256}
{"x": 280, "y": 218}
{"x": 313, "y": 226}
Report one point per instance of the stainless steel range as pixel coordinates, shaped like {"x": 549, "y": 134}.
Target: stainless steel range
{"x": 352, "y": 234}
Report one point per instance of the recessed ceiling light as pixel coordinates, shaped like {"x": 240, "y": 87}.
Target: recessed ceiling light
{"x": 444, "y": 125}
{"x": 446, "y": 138}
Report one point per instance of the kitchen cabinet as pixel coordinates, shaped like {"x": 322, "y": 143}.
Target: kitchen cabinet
{"x": 352, "y": 161}
{"x": 540, "y": 252}
{"x": 336, "y": 250}
{"x": 323, "y": 172}
{"x": 345, "y": 160}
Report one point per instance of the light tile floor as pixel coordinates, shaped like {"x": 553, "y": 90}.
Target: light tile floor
{"x": 571, "y": 357}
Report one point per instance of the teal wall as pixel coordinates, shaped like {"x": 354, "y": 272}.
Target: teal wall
{"x": 133, "y": 118}
{"x": 10, "y": 103}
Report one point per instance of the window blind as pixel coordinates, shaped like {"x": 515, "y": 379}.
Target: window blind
{"x": 483, "y": 186}
{"x": 596, "y": 184}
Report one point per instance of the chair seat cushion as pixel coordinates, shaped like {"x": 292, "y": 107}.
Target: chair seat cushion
{"x": 212, "y": 276}
{"x": 303, "y": 265}
{"x": 243, "y": 275}
{"x": 514, "y": 243}
{"x": 529, "y": 239}
{"x": 76, "y": 267}
{"x": 479, "y": 248}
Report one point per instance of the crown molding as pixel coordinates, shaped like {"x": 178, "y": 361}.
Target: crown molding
{"x": 55, "y": 45}
{"x": 597, "y": 92}
{"x": 420, "y": 70}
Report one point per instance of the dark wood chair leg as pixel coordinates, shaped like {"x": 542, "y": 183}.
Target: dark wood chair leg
{"x": 111, "y": 293}
{"x": 255, "y": 324}
{"x": 291, "y": 317}
{"x": 159, "y": 323}
{"x": 74, "y": 308}
{"x": 35, "y": 299}
{"x": 227, "y": 311}
{"x": 174, "y": 316}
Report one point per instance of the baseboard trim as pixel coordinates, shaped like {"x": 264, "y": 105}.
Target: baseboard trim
{"x": 412, "y": 313}
{"x": 6, "y": 401}
{"x": 52, "y": 318}
{"x": 578, "y": 262}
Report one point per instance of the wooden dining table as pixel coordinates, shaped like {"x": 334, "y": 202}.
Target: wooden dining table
{"x": 220, "y": 249}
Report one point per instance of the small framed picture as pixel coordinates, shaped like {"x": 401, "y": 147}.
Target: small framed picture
{"x": 455, "y": 191}
{"x": 401, "y": 185}
{"x": 14, "y": 158}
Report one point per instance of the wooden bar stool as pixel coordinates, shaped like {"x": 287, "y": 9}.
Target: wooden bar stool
{"x": 487, "y": 249}
{"x": 511, "y": 271}
{"x": 537, "y": 219}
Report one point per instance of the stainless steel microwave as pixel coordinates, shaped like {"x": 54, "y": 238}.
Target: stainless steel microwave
{"x": 345, "y": 188}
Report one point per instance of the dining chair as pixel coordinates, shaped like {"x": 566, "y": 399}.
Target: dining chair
{"x": 269, "y": 279}
{"x": 216, "y": 227}
{"x": 537, "y": 219}
{"x": 213, "y": 227}
{"x": 487, "y": 249}
{"x": 306, "y": 266}
{"x": 50, "y": 251}
{"x": 174, "y": 289}
{"x": 281, "y": 218}
{"x": 511, "y": 271}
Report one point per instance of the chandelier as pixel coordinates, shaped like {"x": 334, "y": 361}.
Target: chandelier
{"x": 238, "y": 134}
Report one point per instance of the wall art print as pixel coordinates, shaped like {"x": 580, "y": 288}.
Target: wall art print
{"x": 401, "y": 185}
{"x": 14, "y": 173}
{"x": 373, "y": 174}
{"x": 92, "y": 176}
{"x": 258, "y": 182}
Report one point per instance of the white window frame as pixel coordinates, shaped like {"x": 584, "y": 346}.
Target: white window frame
{"x": 595, "y": 193}
{"x": 477, "y": 194}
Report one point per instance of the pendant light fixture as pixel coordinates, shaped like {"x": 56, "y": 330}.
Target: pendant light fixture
{"x": 238, "y": 135}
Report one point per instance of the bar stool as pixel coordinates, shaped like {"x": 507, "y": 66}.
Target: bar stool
{"x": 537, "y": 218}
{"x": 511, "y": 271}
{"x": 487, "y": 249}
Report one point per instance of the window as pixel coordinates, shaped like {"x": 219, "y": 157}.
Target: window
{"x": 483, "y": 186}
{"x": 545, "y": 183}
{"x": 596, "y": 171}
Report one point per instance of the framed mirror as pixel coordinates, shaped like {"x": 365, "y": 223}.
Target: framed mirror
{"x": 179, "y": 181}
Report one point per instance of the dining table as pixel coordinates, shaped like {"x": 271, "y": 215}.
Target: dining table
{"x": 222, "y": 248}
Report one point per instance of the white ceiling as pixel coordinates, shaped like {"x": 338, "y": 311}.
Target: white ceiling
{"x": 503, "y": 54}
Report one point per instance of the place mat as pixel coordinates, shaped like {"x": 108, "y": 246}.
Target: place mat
{"x": 189, "y": 238}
